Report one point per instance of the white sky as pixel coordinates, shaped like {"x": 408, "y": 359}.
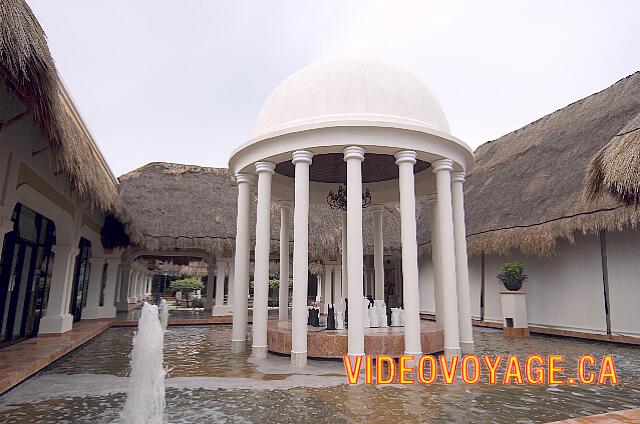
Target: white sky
{"x": 183, "y": 81}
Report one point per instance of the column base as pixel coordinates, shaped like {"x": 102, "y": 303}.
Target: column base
{"x": 56, "y": 324}
{"x": 450, "y": 352}
{"x": 221, "y": 310}
{"x": 91, "y": 312}
{"x": 259, "y": 352}
{"x": 299, "y": 359}
{"x": 108, "y": 312}
{"x": 467, "y": 348}
{"x": 238, "y": 346}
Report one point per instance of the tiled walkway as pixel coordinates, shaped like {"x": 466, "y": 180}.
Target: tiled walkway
{"x": 619, "y": 417}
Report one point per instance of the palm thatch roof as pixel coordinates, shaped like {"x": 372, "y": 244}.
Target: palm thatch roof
{"x": 29, "y": 71}
{"x": 177, "y": 206}
{"x": 526, "y": 190}
{"x": 615, "y": 170}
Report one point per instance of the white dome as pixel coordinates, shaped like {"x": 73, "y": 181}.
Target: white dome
{"x": 350, "y": 92}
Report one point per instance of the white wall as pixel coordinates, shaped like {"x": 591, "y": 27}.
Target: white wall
{"x": 564, "y": 291}
{"x": 623, "y": 258}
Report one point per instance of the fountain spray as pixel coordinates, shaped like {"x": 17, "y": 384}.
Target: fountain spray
{"x": 145, "y": 396}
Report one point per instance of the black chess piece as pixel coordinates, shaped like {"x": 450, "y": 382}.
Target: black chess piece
{"x": 315, "y": 318}
{"x": 331, "y": 318}
{"x": 309, "y": 317}
{"x": 388, "y": 316}
{"x": 346, "y": 313}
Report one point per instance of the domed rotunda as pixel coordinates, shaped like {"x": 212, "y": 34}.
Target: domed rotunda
{"x": 353, "y": 134}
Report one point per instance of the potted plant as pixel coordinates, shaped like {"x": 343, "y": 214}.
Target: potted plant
{"x": 512, "y": 275}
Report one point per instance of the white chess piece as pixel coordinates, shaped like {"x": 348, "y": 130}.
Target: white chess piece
{"x": 367, "y": 323}
{"x": 395, "y": 317}
{"x": 339, "y": 319}
{"x": 381, "y": 308}
{"x": 373, "y": 317}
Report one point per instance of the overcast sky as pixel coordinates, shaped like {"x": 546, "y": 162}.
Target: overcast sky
{"x": 183, "y": 81}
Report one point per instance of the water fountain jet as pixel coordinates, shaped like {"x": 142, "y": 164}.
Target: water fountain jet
{"x": 146, "y": 393}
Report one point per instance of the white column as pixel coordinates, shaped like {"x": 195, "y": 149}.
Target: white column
{"x": 410, "y": 292}
{"x": 435, "y": 262}
{"x": 221, "y": 268}
{"x": 241, "y": 263}
{"x": 211, "y": 282}
{"x": 283, "y": 291}
{"x": 133, "y": 287}
{"x": 124, "y": 279}
{"x": 109, "y": 308}
{"x": 58, "y": 319}
{"x": 265, "y": 172}
{"x": 354, "y": 156}
{"x": 230, "y": 284}
{"x": 337, "y": 284}
{"x": 462, "y": 264}
{"x": 442, "y": 168}
{"x": 345, "y": 276}
{"x": 92, "y": 308}
{"x": 328, "y": 286}
{"x": 302, "y": 162}
{"x": 318, "y": 287}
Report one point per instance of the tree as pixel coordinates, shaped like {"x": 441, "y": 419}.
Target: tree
{"x": 186, "y": 286}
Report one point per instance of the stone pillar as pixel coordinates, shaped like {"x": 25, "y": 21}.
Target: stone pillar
{"x": 354, "y": 156}
{"x": 337, "y": 283}
{"x": 211, "y": 283}
{"x": 302, "y": 161}
{"x": 92, "y": 308}
{"x": 58, "y": 320}
{"x": 328, "y": 286}
{"x": 283, "y": 291}
{"x": 265, "y": 172}
{"x": 133, "y": 287}
{"x": 230, "y": 285}
{"x": 345, "y": 276}
{"x": 435, "y": 262}
{"x": 241, "y": 263}
{"x": 125, "y": 285}
{"x": 442, "y": 168}
{"x": 410, "y": 292}
{"x": 462, "y": 264}
{"x": 108, "y": 308}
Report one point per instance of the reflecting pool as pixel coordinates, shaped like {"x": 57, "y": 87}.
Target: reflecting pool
{"x": 206, "y": 382}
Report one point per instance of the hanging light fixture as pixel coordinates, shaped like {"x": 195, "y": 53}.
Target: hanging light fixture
{"x": 338, "y": 200}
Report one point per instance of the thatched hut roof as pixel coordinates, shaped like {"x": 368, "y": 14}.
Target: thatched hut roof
{"x": 526, "y": 189}
{"x": 28, "y": 70}
{"x": 178, "y": 206}
{"x": 615, "y": 170}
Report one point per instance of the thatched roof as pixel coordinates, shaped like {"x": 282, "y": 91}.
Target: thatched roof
{"x": 29, "y": 71}
{"x": 615, "y": 170}
{"x": 178, "y": 206}
{"x": 526, "y": 189}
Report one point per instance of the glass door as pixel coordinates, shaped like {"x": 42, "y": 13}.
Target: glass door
{"x": 80, "y": 280}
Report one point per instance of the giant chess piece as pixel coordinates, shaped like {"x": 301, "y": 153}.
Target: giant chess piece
{"x": 309, "y": 315}
{"x": 395, "y": 317}
{"x": 367, "y": 322}
{"x": 339, "y": 319}
{"x": 381, "y": 310}
{"x": 373, "y": 317}
{"x": 346, "y": 313}
{"x": 331, "y": 318}
{"x": 315, "y": 320}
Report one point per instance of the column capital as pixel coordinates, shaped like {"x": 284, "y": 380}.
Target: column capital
{"x": 442, "y": 165}
{"x": 377, "y": 207}
{"x": 301, "y": 156}
{"x": 403, "y": 156}
{"x": 244, "y": 179}
{"x": 96, "y": 261}
{"x": 285, "y": 204}
{"x": 6, "y": 225}
{"x": 458, "y": 177}
{"x": 264, "y": 166}
{"x": 353, "y": 152}
{"x": 113, "y": 261}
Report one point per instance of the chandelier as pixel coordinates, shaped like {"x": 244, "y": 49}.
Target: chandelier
{"x": 338, "y": 200}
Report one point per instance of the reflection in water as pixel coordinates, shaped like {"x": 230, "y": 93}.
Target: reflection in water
{"x": 208, "y": 383}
